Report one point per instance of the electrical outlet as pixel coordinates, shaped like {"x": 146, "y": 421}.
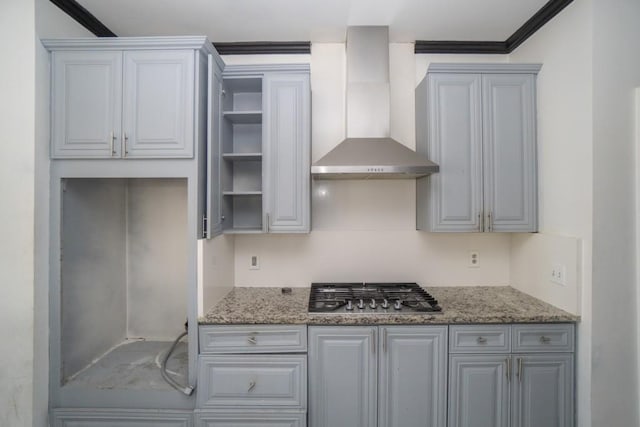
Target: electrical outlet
{"x": 254, "y": 263}
{"x": 474, "y": 259}
{"x": 559, "y": 274}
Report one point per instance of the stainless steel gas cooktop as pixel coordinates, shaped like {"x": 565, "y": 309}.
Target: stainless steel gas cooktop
{"x": 371, "y": 298}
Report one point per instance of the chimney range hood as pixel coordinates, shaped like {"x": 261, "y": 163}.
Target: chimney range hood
{"x": 369, "y": 152}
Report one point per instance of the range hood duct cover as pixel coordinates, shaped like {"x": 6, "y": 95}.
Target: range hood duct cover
{"x": 369, "y": 152}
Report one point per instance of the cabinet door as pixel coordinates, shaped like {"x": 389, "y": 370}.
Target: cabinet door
{"x": 454, "y": 201}
{"x": 86, "y": 104}
{"x": 342, "y": 376}
{"x": 158, "y": 103}
{"x": 543, "y": 395}
{"x": 509, "y": 152}
{"x": 413, "y": 367}
{"x": 287, "y": 124}
{"x": 479, "y": 391}
{"x": 214, "y": 177}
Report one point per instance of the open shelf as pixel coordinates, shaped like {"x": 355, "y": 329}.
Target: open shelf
{"x": 241, "y": 172}
{"x": 243, "y": 117}
{"x": 242, "y": 157}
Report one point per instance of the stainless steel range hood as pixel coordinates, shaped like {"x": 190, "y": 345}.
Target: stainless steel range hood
{"x": 369, "y": 152}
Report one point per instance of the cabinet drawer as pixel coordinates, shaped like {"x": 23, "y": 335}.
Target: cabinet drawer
{"x": 246, "y": 419}
{"x": 253, "y": 339}
{"x": 480, "y": 339}
{"x": 543, "y": 338}
{"x": 253, "y": 381}
{"x": 120, "y": 418}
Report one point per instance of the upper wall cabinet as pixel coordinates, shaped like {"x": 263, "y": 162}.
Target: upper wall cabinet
{"x": 265, "y": 149}
{"x": 477, "y": 121}
{"x": 124, "y": 99}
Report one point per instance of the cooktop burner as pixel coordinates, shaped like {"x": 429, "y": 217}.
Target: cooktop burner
{"x": 371, "y": 298}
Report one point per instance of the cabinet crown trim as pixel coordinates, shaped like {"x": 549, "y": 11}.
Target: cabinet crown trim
{"x": 496, "y": 68}
{"x": 120, "y": 43}
{"x": 252, "y": 70}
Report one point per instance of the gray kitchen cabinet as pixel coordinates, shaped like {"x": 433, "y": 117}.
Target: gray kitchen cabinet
{"x": 479, "y": 390}
{"x": 343, "y": 375}
{"x": 287, "y": 123}
{"x": 544, "y": 393}
{"x": 119, "y": 101}
{"x": 477, "y": 122}
{"x": 412, "y": 376}
{"x": 369, "y": 375}
{"x": 265, "y": 149}
{"x": 252, "y": 375}
{"x": 500, "y": 386}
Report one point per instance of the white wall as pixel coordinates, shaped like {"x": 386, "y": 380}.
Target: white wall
{"x": 50, "y": 22}
{"x": 565, "y": 170}
{"x": 616, "y": 73}
{"x": 17, "y": 120}
{"x": 365, "y": 230}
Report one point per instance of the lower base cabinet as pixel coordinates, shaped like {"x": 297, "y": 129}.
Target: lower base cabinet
{"x": 389, "y": 376}
{"x": 493, "y": 384}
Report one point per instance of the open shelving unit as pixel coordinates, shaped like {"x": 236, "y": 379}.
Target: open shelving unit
{"x": 242, "y": 148}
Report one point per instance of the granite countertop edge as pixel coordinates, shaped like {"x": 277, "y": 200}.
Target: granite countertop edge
{"x": 461, "y": 305}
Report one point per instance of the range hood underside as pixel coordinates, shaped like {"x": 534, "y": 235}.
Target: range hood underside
{"x": 368, "y": 158}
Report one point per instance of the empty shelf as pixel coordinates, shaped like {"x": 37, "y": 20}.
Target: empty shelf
{"x": 243, "y": 116}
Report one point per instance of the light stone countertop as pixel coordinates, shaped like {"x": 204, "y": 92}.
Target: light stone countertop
{"x": 460, "y": 304}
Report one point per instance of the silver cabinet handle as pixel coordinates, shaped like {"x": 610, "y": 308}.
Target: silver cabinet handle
{"x": 384, "y": 339}
{"x": 111, "y": 143}
{"x": 125, "y": 143}
{"x": 479, "y": 222}
{"x": 252, "y": 339}
{"x": 267, "y": 222}
{"x": 482, "y": 221}
{"x": 545, "y": 340}
{"x": 519, "y": 369}
{"x": 481, "y": 340}
{"x": 490, "y": 222}
{"x": 373, "y": 342}
{"x": 508, "y": 373}
{"x": 252, "y": 384}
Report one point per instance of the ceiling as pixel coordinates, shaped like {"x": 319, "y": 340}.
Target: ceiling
{"x": 315, "y": 20}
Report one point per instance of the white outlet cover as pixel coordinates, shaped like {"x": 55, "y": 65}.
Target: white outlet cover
{"x": 473, "y": 259}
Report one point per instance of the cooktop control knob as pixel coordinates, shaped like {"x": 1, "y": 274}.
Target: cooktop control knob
{"x": 385, "y": 304}
{"x": 361, "y": 304}
{"x": 398, "y": 305}
{"x": 373, "y": 304}
{"x": 349, "y": 305}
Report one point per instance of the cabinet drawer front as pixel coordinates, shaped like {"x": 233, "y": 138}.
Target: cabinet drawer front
{"x": 244, "y": 419}
{"x": 480, "y": 339}
{"x": 123, "y": 417}
{"x": 253, "y": 339}
{"x": 543, "y": 338}
{"x": 253, "y": 381}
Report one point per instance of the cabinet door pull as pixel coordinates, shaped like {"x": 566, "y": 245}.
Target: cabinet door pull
{"x": 479, "y": 222}
{"x": 373, "y": 342}
{"x": 482, "y": 221}
{"x": 490, "y": 222}
{"x": 545, "y": 340}
{"x": 384, "y": 339}
{"x": 252, "y": 339}
{"x": 519, "y": 369}
{"x": 252, "y": 384}
{"x": 267, "y": 222}
{"x": 508, "y": 373}
{"x": 125, "y": 143}
{"x": 111, "y": 143}
{"x": 481, "y": 340}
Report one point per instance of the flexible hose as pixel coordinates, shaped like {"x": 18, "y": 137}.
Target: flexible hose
{"x": 188, "y": 390}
